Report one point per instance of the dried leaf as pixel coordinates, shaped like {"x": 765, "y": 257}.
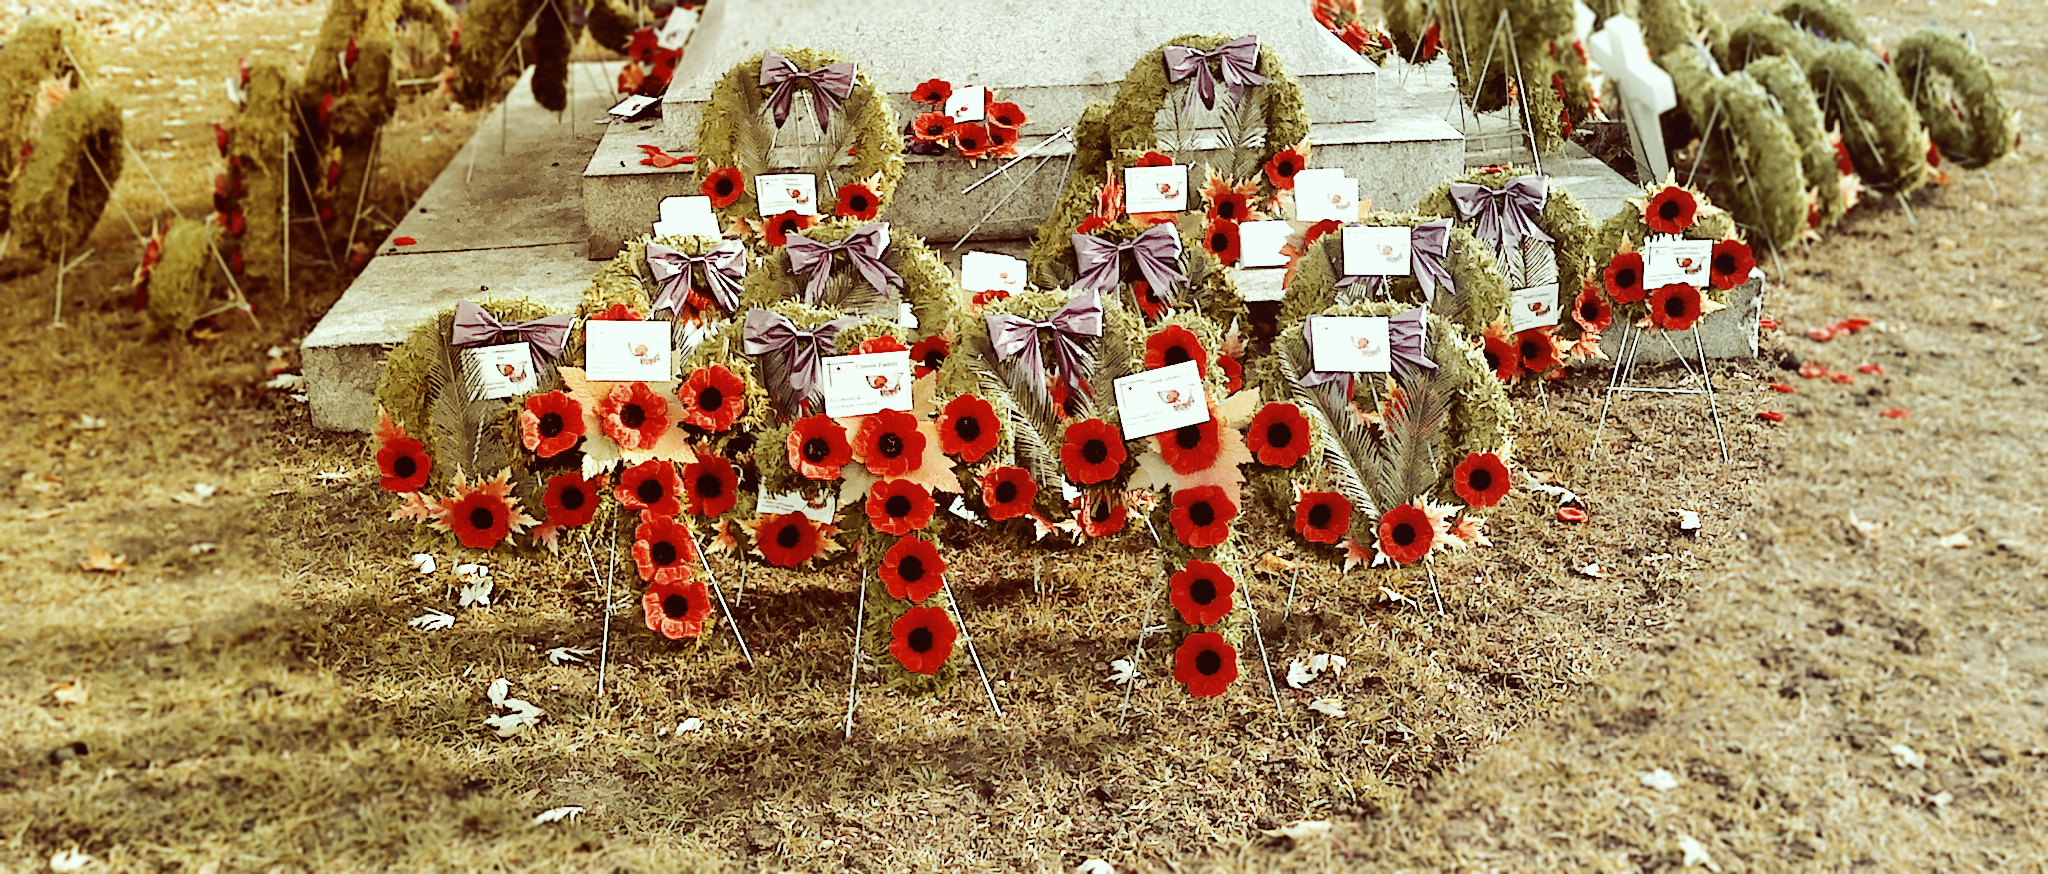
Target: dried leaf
{"x": 476, "y": 594}
{"x": 1272, "y": 563}
{"x": 689, "y": 725}
{"x": 563, "y": 655}
{"x": 1660, "y": 780}
{"x": 1298, "y": 831}
{"x": 432, "y": 620}
{"x": 1121, "y": 671}
{"x": 423, "y": 562}
{"x": 72, "y": 692}
{"x": 197, "y": 497}
{"x": 1695, "y": 854}
{"x": 66, "y": 861}
{"x": 559, "y": 814}
{"x": 101, "y": 561}
{"x": 1958, "y": 540}
{"x": 1332, "y": 707}
{"x": 1907, "y": 758}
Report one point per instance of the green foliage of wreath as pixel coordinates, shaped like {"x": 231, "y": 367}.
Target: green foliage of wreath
{"x": 1408, "y": 23}
{"x": 1134, "y": 114}
{"x": 883, "y": 611}
{"x": 182, "y": 281}
{"x": 1936, "y": 64}
{"x": 1786, "y": 82}
{"x": 489, "y": 30}
{"x": 1053, "y": 243}
{"x": 1563, "y": 219}
{"x": 263, "y": 135}
{"x": 422, "y": 389}
{"x": 611, "y": 24}
{"x": 67, "y": 181}
{"x": 1763, "y": 35}
{"x": 1627, "y": 227}
{"x": 42, "y": 48}
{"x": 1879, "y": 125}
{"x": 1481, "y": 296}
{"x": 1481, "y": 57}
{"x": 734, "y": 132}
{"x": 931, "y": 289}
{"x": 1752, "y": 155}
{"x": 1830, "y": 19}
{"x": 1667, "y": 25}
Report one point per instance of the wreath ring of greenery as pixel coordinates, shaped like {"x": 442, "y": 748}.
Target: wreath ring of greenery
{"x": 65, "y": 184}
{"x": 1481, "y": 294}
{"x": 1754, "y": 156}
{"x": 1979, "y": 130}
{"x": 1562, "y": 218}
{"x": 734, "y": 132}
{"x": 1763, "y": 35}
{"x": 1879, "y": 125}
{"x": 1786, "y": 82}
{"x": 422, "y": 389}
{"x": 931, "y": 289}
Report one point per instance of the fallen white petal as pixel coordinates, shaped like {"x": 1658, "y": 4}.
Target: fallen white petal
{"x": 434, "y": 620}
{"x": 1907, "y": 758}
{"x": 1593, "y": 571}
{"x": 423, "y": 562}
{"x": 1121, "y": 671}
{"x": 500, "y": 688}
{"x": 69, "y": 860}
{"x": 1695, "y": 853}
{"x": 558, "y": 814}
{"x": 689, "y": 725}
{"x": 563, "y": 655}
{"x": 1660, "y": 780}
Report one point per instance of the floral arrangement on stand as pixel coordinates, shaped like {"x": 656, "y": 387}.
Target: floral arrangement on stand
{"x": 1455, "y": 275}
{"x": 1665, "y": 212}
{"x": 933, "y": 132}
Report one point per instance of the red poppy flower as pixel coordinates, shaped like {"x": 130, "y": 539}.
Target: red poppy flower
{"x": 1671, "y": 210}
{"x": 1174, "y": 344}
{"x": 724, "y": 186}
{"x": 968, "y": 428}
{"x": 889, "y": 443}
{"x": 1503, "y": 357}
{"x": 856, "y": 200}
{"x": 1190, "y": 449}
{"x": 1624, "y": 277}
{"x": 1322, "y": 517}
{"x": 1481, "y": 479}
{"x": 1002, "y": 141}
{"x": 1206, "y": 664}
{"x": 1201, "y": 516}
{"x": 1432, "y": 40}
{"x": 481, "y": 518}
{"x": 1228, "y": 205}
{"x": 933, "y": 92}
{"x": 633, "y": 415}
{"x": 899, "y": 506}
{"x": 922, "y": 639}
{"x": 572, "y": 500}
{"x": 912, "y": 569}
{"x": 929, "y": 354}
{"x": 663, "y": 550}
{"x": 713, "y": 398}
{"x": 619, "y": 312}
{"x": 1770, "y": 415}
{"x": 550, "y": 424}
{"x": 1894, "y": 413}
{"x": 1591, "y": 311}
{"x": 653, "y": 486}
{"x": 884, "y": 343}
{"x": 971, "y": 138}
{"x": 1571, "y": 514}
{"x": 1731, "y": 263}
{"x": 1406, "y": 534}
{"x": 1280, "y": 171}
{"x": 1233, "y": 374}
{"x": 676, "y": 609}
{"x": 1316, "y": 231}
{"x": 1536, "y": 350}
{"x": 1101, "y": 514}
{"x": 1279, "y": 435}
{"x": 817, "y": 447}
{"x": 1201, "y": 592}
{"x": 1006, "y": 114}
{"x": 1093, "y": 452}
{"x": 984, "y": 298}
{"x": 1222, "y": 241}
{"x": 404, "y": 464}
{"x": 1008, "y": 492}
{"x": 710, "y": 486}
{"x": 1675, "y": 307}
{"x": 932, "y": 127}
{"x": 787, "y": 540}
{"x": 1154, "y": 159}
{"x": 781, "y": 225}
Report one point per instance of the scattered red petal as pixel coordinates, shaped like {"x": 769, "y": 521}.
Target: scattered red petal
{"x": 1812, "y": 371}
{"x": 1894, "y": 413}
{"x": 1570, "y": 514}
{"x": 1871, "y": 369}
{"x": 1783, "y": 388}
{"x": 1851, "y": 326}
{"x": 1767, "y": 324}
{"x": 1770, "y": 415}
{"x": 658, "y": 158}
{"x": 403, "y": 241}
{"x": 1820, "y": 334}
{"x": 1843, "y": 378}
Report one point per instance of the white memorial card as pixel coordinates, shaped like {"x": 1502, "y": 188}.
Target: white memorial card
{"x": 1156, "y": 189}
{"x": 687, "y": 217}
{"x": 856, "y": 385}
{"x": 1325, "y": 193}
{"x": 1532, "y": 307}
{"x": 627, "y": 351}
{"x": 1674, "y": 260}
{"x": 820, "y": 510}
{"x": 968, "y": 103}
{"x": 633, "y": 105}
{"x": 1350, "y": 344}
{"x": 1376, "y": 252}
{"x": 786, "y": 192}
{"x": 1259, "y": 244}
{"x": 988, "y": 271}
{"x": 1161, "y": 400}
{"x": 501, "y": 371}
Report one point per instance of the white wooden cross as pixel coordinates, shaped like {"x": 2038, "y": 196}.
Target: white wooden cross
{"x": 1645, "y": 89}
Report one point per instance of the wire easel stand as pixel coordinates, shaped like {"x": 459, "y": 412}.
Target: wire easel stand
{"x": 1622, "y": 377}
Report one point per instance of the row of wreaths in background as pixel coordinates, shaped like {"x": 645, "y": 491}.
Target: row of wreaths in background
{"x": 1014, "y": 429}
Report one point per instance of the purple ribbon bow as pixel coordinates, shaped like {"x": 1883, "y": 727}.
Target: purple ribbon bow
{"x": 1238, "y": 57}
{"x": 830, "y": 84}
{"x": 803, "y": 351}
{"x": 1429, "y": 244}
{"x": 1157, "y": 252}
{"x": 1407, "y": 336}
{"x": 547, "y": 335}
{"x": 724, "y": 266}
{"x": 863, "y": 247}
{"x": 1504, "y": 215}
{"x": 1070, "y": 325}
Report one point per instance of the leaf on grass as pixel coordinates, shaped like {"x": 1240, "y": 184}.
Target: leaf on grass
{"x": 72, "y": 692}
{"x": 1562, "y": 494}
{"x": 423, "y": 562}
{"x": 520, "y": 714}
{"x": 689, "y": 725}
{"x": 1094, "y": 866}
{"x": 1329, "y": 706}
{"x": 197, "y": 497}
{"x": 476, "y": 594}
{"x": 88, "y": 423}
{"x": 286, "y": 382}
{"x": 1660, "y": 780}
{"x": 1958, "y": 540}
{"x": 1272, "y": 563}
{"x": 563, "y": 655}
{"x": 1907, "y": 758}
{"x": 1300, "y": 830}
{"x": 559, "y": 814}
{"x": 66, "y": 861}
{"x": 1301, "y": 672}
{"x": 101, "y": 561}
{"x": 432, "y": 620}
{"x": 1695, "y": 853}
{"x": 1121, "y": 671}
{"x": 1593, "y": 571}
{"x": 472, "y": 571}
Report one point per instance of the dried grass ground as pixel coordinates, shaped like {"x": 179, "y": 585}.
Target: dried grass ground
{"x": 256, "y": 700}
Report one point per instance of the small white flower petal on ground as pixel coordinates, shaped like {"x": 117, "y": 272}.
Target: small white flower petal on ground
{"x": 1958, "y": 540}
{"x": 1094, "y": 866}
{"x": 689, "y": 725}
{"x": 1121, "y": 671}
{"x": 65, "y": 861}
{"x": 1907, "y": 758}
{"x": 433, "y": 620}
{"x": 472, "y": 570}
{"x": 563, "y": 655}
{"x": 1942, "y": 800}
{"x": 559, "y": 814}
{"x": 423, "y": 562}
{"x": 1593, "y": 571}
{"x": 1695, "y": 853}
{"x": 500, "y": 688}
{"x": 1329, "y": 706}
{"x": 1660, "y": 780}
{"x": 477, "y": 594}
{"x": 286, "y": 382}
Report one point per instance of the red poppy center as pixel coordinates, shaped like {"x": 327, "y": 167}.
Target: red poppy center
{"x": 921, "y": 639}
{"x": 1481, "y": 480}
{"x": 675, "y": 606}
{"x": 1188, "y": 437}
{"x": 1670, "y": 210}
{"x": 1492, "y": 360}
{"x": 1321, "y": 515}
{"x": 1674, "y": 306}
{"x": 911, "y": 569}
{"x": 405, "y": 466}
{"x": 897, "y": 506}
{"x": 816, "y": 450}
{"x": 1589, "y": 310}
{"x": 787, "y": 537}
{"x": 968, "y": 427}
{"x": 1005, "y": 119}
{"x": 858, "y": 202}
{"x": 1279, "y": 434}
{"x": 969, "y": 142}
{"x": 1006, "y": 491}
{"x": 1288, "y": 168}
{"x": 1227, "y": 210}
{"x": 571, "y": 499}
{"x": 664, "y": 554}
{"x": 710, "y": 485}
{"x": 1531, "y": 350}
{"x": 723, "y": 185}
{"x": 1176, "y": 354}
{"x": 1101, "y": 513}
{"x": 1202, "y": 590}
{"x": 935, "y": 128}
{"x": 932, "y": 361}
{"x": 890, "y": 444}
{"x": 1219, "y": 240}
{"x": 551, "y": 425}
{"x": 1095, "y": 452}
{"x": 1404, "y": 534}
{"x": 650, "y": 491}
{"x": 1209, "y": 662}
{"x": 787, "y": 226}
{"x": 710, "y": 398}
{"x": 1724, "y": 263}
{"x": 1202, "y": 514}
{"x": 1626, "y": 277}
{"x": 632, "y": 416}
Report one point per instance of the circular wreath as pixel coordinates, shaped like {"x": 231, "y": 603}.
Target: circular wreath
{"x": 1480, "y": 298}
{"x": 932, "y": 290}
{"x": 1628, "y": 229}
{"x": 422, "y": 389}
{"x": 181, "y": 282}
{"x": 1786, "y": 83}
{"x": 1829, "y": 19}
{"x": 1409, "y": 22}
{"x": 627, "y": 280}
{"x": 735, "y": 133}
{"x": 1880, "y": 127}
{"x": 1965, "y": 111}
{"x": 65, "y": 184}
{"x": 1763, "y": 35}
{"x": 1481, "y": 62}
{"x": 1562, "y": 218}
{"x": 1751, "y": 152}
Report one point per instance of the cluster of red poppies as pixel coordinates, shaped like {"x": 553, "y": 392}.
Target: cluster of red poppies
{"x": 726, "y": 185}
{"x": 1672, "y": 210}
{"x": 933, "y": 132}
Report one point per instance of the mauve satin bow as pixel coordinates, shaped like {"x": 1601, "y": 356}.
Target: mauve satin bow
{"x": 1157, "y": 252}
{"x": 547, "y": 335}
{"x": 1506, "y": 214}
{"x": 1429, "y": 244}
{"x": 1070, "y": 325}
{"x": 1407, "y": 335}
{"x": 863, "y": 247}
{"x": 830, "y": 84}
{"x": 724, "y": 266}
{"x": 1238, "y": 58}
{"x": 803, "y": 351}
